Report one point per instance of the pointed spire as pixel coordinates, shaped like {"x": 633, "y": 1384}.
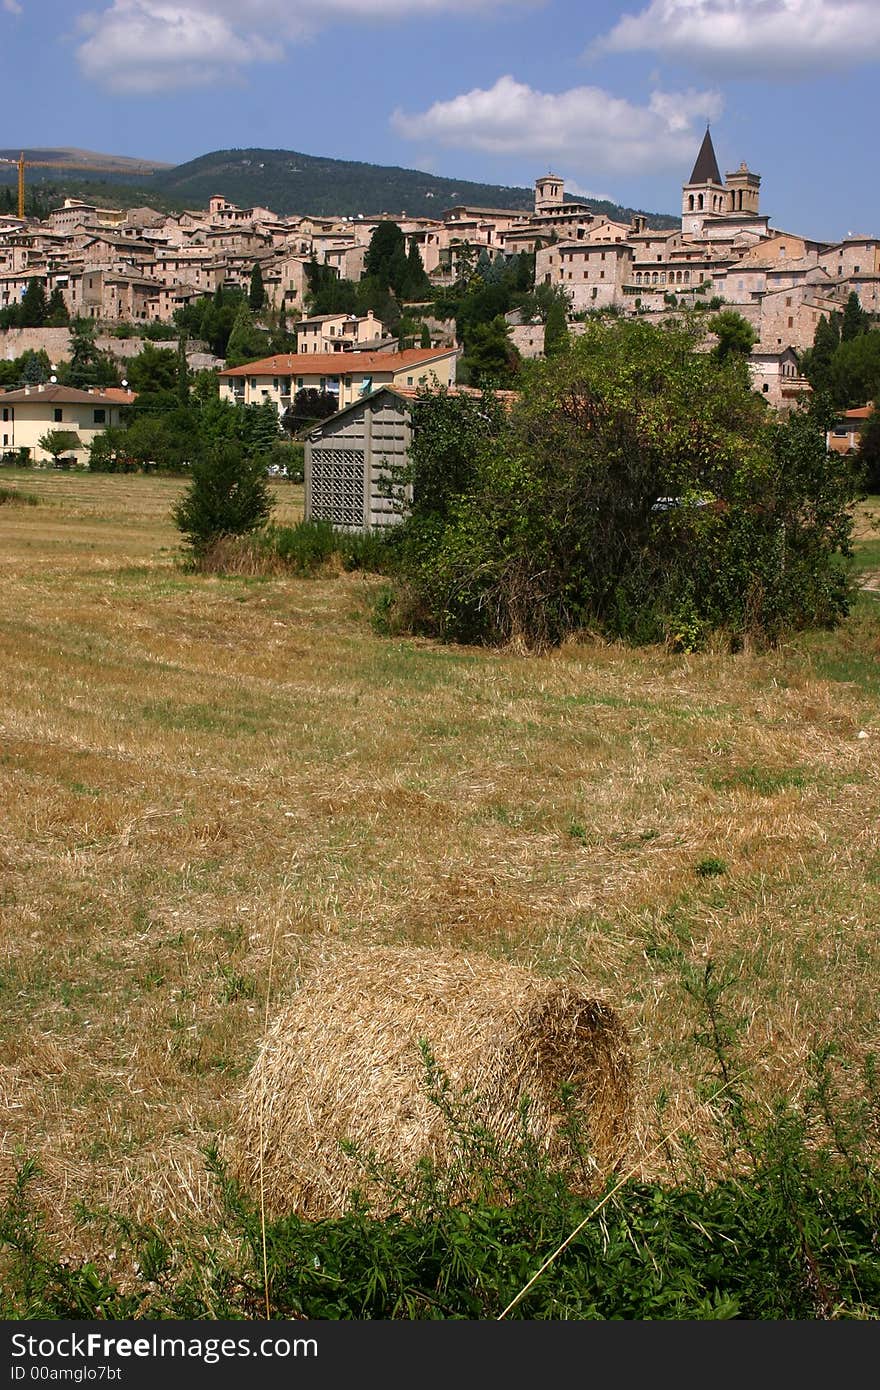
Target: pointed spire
{"x": 706, "y": 168}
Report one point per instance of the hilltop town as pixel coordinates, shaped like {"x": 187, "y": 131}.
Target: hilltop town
{"x": 142, "y": 267}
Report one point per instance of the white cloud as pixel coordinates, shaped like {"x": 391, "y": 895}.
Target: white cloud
{"x": 154, "y": 45}
{"x": 12, "y": 7}
{"x": 587, "y": 127}
{"x": 785, "y": 38}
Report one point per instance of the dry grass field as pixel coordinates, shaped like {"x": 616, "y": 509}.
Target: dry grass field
{"x": 199, "y": 774}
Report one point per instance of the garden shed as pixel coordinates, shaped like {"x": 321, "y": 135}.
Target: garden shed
{"x": 351, "y": 457}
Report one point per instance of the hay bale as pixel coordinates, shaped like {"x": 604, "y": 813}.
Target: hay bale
{"x": 343, "y": 1062}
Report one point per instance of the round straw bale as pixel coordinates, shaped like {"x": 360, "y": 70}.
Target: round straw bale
{"x": 344, "y": 1062}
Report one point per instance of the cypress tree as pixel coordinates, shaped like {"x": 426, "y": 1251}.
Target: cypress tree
{"x": 33, "y": 310}
{"x": 257, "y": 293}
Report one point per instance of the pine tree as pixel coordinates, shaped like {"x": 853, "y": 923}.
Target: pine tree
{"x": 34, "y": 368}
{"x": 228, "y": 496}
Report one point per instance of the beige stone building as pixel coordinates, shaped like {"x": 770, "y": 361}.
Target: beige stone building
{"x": 31, "y": 412}
{"x": 337, "y": 332}
{"x": 343, "y": 375}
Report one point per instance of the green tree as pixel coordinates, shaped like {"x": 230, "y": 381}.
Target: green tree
{"x": 869, "y": 451}
{"x": 34, "y": 367}
{"x": 417, "y": 286}
{"x": 385, "y": 260}
{"x": 556, "y": 338}
{"x": 87, "y": 366}
{"x": 57, "y": 315}
{"x": 182, "y": 372}
{"x": 153, "y": 374}
{"x": 58, "y": 442}
{"x": 490, "y": 357}
{"x": 855, "y": 321}
{"x": 261, "y": 428}
{"x": 425, "y": 337}
{"x": 736, "y": 336}
{"x": 648, "y": 514}
{"x": 228, "y": 496}
{"x": 256, "y": 293}
{"x": 816, "y": 361}
{"x": 247, "y": 342}
{"x": 33, "y": 309}
{"x": 855, "y": 370}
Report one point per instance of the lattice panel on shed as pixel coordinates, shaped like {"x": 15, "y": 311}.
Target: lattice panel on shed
{"x": 338, "y": 486}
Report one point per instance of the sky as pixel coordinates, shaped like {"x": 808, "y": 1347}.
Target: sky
{"x": 613, "y": 96}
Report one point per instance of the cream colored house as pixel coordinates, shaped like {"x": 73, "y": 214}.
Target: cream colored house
{"x": 337, "y": 332}
{"x": 344, "y": 375}
{"x": 30, "y": 412}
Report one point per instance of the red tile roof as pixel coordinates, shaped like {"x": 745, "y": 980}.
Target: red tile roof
{"x": 69, "y": 395}
{"x": 338, "y": 363}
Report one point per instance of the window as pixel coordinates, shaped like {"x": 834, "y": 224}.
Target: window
{"x": 100, "y": 417}
{"x": 57, "y": 414}
{"x": 788, "y": 301}
{"x": 253, "y": 383}
{"x": 5, "y": 439}
{"x": 409, "y": 381}
{"x": 6, "y": 412}
{"x": 790, "y": 321}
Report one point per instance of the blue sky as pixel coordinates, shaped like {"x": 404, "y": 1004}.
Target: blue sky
{"x": 614, "y": 96}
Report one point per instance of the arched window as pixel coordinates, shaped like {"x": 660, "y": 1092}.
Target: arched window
{"x": 638, "y": 277}
{"x": 691, "y": 203}
{"x": 654, "y": 278}
{"x": 687, "y": 277}
{"x": 700, "y": 202}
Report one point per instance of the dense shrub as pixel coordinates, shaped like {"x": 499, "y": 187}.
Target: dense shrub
{"x": 639, "y": 488}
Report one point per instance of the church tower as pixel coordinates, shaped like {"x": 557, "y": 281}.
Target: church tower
{"x": 743, "y": 190}
{"x": 549, "y": 192}
{"x": 704, "y": 193}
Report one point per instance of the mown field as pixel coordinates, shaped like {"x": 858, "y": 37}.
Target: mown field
{"x": 199, "y": 774}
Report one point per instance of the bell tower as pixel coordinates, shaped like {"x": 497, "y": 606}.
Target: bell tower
{"x": 549, "y": 192}
{"x": 743, "y": 189}
{"x": 704, "y": 194}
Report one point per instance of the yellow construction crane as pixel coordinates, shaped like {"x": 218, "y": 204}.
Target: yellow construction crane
{"x": 23, "y": 164}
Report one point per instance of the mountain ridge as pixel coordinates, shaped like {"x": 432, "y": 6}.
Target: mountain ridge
{"x": 289, "y": 182}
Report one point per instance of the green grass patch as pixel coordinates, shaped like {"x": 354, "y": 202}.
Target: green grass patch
{"x": 761, "y": 780}
{"x": 14, "y": 497}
